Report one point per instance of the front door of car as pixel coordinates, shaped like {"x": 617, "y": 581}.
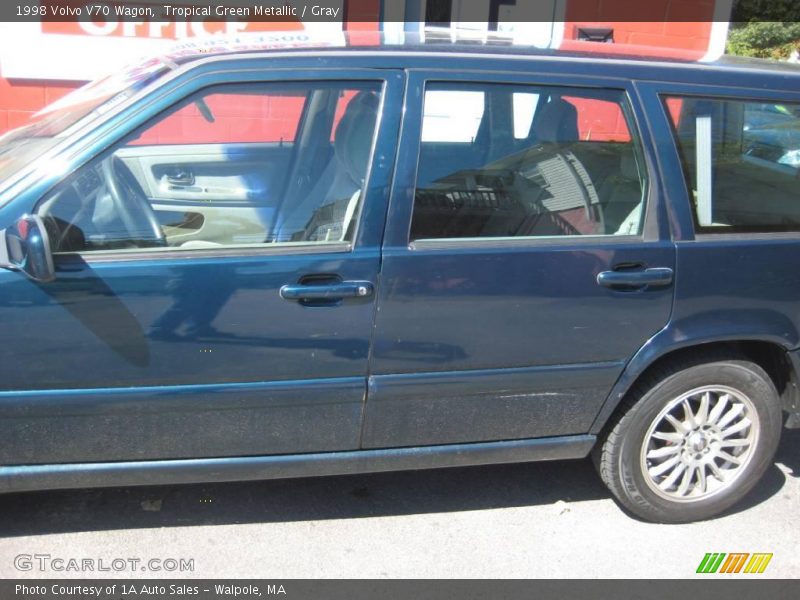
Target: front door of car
{"x": 524, "y": 260}
{"x": 216, "y": 279}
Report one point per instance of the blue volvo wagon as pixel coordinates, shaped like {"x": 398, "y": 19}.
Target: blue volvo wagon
{"x": 240, "y": 263}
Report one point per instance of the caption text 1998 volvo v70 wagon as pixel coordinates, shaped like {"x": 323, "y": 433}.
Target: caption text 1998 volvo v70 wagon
{"x": 239, "y": 263}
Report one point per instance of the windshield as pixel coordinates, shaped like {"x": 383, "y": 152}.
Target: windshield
{"x": 53, "y": 123}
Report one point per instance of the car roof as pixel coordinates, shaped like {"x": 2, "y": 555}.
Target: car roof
{"x": 431, "y": 49}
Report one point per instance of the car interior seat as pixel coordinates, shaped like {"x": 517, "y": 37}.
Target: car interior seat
{"x": 556, "y": 122}
{"x": 571, "y": 201}
{"x": 621, "y": 193}
{"x": 327, "y": 210}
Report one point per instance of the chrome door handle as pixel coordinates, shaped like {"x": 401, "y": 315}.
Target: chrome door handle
{"x": 656, "y": 277}
{"x": 328, "y": 291}
{"x": 180, "y": 178}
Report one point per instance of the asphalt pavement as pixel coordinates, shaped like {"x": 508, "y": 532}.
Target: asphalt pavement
{"x": 526, "y": 520}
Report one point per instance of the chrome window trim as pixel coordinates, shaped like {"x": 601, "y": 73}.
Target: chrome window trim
{"x": 249, "y": 251}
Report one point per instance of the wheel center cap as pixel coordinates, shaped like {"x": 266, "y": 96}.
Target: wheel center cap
{"x": 697, "y": 441}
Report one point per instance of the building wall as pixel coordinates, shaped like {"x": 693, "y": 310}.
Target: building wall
{"x": 688, "y": 29}
{"x": 19, "y": 99}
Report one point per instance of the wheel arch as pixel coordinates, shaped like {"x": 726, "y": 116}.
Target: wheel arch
{"x": 771, "y": 354}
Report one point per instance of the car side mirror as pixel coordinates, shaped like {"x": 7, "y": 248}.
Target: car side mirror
{"x": 25, "y": 247}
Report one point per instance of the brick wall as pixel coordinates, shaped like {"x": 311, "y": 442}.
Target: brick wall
{"x": 20, "y": 99}
{"x": 600, "y": 120}
{"x": 676, "y": 36}
{"x": 238, "y": 118}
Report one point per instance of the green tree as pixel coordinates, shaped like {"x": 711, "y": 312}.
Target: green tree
{"x": 765, "y": 28}
{"x": 746, "y": 11}
{"x": 764, "y": 39}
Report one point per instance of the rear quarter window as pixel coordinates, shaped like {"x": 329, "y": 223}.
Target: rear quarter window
{"x": 741, "y": 161}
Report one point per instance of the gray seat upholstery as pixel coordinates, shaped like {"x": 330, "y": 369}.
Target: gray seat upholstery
{"x": 571, "y": 202}
{"x": 621, "y": 193}
{"x": 557, "y": 122}
{"x": 338, "y": 187}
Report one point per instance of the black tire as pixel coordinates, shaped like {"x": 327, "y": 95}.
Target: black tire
{"x": 618, "y": 455}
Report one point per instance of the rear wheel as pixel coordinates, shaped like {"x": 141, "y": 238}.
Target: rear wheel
{"x": 693, "y": 439}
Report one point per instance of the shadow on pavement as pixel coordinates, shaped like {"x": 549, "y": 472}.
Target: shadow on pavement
{"x": 788, "y": 455}
{"x": 348, "y": 497}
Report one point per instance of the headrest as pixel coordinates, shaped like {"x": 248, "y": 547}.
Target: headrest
{"x": 353, "y": 138}
{"x": 557, "y": 122}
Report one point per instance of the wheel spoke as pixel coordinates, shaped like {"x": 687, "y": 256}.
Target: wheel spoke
{"x": 715, "y": 471}
{"x": 680, "y": 427}
{"x": 683, "y": 488}
{"x": 673, "y": 477}
{"x": 736, "y": 428}
{"x": 734, "y": 412}
{"x": 729, "y": 458}
{"x": 719, "y": 407}
{"x": 734, "y": 443}
{"x": 688, "y": 415}
{"x": 664, "y": 466}
{"x": 702, "y": 412}
{"x": 668, "y": 437}
{"x": 701, "y": 478}
{"x": 662, "y": 452}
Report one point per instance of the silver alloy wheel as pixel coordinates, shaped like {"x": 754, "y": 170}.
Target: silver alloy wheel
{"x": 700, "y": 443}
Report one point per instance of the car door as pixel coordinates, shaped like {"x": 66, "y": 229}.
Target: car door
{"x": 523, "y": 268}
{"x": 216, "y": 276}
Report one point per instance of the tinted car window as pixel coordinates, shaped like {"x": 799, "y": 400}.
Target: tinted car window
{"x": 500, "y": 161}
{"x": 234, "y": 165}
{"x": 741, "y": 161}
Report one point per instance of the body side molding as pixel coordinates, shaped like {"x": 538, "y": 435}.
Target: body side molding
{"x": 79, "y": 475}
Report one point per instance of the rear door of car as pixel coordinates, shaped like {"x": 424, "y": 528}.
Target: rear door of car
{"x": 518, "y": 277}
{"x": 731, "y": 160}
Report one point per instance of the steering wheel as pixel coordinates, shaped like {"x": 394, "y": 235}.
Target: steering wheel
{"x": 132, "y": 204}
